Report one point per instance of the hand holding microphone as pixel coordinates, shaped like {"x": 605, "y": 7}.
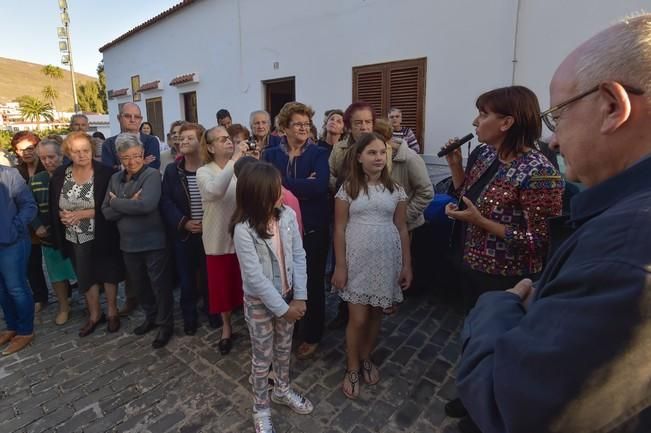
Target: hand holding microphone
{"x": 452, "y": 150}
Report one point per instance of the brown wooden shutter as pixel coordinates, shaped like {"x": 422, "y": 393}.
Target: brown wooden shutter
{"x": 155, "y": 117}
{"x": 395, "y": 84}
{"x": 370, "y": 87}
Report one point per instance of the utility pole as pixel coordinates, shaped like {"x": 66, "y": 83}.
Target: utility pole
{"x": 66, "y": 48}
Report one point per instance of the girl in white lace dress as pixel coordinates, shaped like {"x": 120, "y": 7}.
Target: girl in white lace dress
{"x": 373, "y": 263}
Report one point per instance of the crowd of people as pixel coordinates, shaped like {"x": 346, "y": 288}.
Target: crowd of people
{"x": 266, "y": 219}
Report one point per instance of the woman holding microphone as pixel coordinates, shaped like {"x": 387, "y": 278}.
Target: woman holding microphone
{"x": 506, "y": 193}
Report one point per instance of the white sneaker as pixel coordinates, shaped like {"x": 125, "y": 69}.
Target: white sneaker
{"x": 262, "y": 422}
{"x": 294, "y": 401}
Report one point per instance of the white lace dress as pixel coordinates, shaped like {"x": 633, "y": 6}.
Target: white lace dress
{"x": 373, "y": 251}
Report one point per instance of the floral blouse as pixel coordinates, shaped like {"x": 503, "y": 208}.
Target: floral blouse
{"x": 78, "y": 197}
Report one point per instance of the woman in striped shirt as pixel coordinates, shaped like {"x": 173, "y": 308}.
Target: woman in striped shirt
{"x": 183, "y": 213}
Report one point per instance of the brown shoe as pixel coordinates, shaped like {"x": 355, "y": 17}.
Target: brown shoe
{"x": 113, "y": 324}
{"x": 90, "y": 326}
{"x": 18, "y": 343}
{"x": 6, "y": 336}
{"x": 128, "y": 307}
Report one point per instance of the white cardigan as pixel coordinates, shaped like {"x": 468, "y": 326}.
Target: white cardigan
{"x": 217, "y": 188}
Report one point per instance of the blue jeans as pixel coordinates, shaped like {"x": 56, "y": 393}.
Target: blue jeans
{"x": 15, "y": 295}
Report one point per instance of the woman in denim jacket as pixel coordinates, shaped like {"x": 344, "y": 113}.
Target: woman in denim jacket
{"x": 272, "y": 261}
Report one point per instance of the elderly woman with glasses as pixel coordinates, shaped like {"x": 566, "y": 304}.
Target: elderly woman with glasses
{"x": 506, "y": 195}
{"x": 82, "y": 233}
{"x": 216, "y": 180}
{"x": 132, "y": 201}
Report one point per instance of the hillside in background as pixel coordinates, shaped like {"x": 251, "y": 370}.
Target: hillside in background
{"x": 18, "y": 78}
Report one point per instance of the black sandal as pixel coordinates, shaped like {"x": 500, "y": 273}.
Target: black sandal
{"x": 353, "y": 378}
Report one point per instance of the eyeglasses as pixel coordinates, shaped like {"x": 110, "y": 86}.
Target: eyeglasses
{"x": 26, "y": 149}
{"x": 223, "y": 139}
{"x": 551, "y": 119}
{"x": 131, "y": 116}
{"x": 130, "y": 158}
{"x": 298, "y": 125}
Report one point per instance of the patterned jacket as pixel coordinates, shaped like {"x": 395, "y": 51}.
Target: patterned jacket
{"x": 522, "y": 195}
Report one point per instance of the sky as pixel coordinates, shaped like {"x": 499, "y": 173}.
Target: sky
{"x": 29, "y": 28}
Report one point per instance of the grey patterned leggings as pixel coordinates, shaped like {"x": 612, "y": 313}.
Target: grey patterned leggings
{"x": 271, "y": 341}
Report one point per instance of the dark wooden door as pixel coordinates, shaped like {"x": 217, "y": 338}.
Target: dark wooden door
{"x": 155, "y": 117}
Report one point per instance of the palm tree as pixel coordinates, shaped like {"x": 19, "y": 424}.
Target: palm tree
{"x": 33, "y": 110}
{"x": 52, "y": 71}
{"x": 49, "y": 92}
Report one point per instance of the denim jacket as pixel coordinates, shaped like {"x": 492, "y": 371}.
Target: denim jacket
{"x": 260, "y": 265}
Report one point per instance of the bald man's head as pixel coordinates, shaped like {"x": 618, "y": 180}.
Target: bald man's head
{"x": 603, "y": 88}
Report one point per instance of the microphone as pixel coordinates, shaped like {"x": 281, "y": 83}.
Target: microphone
{"x": 457, "y": 144}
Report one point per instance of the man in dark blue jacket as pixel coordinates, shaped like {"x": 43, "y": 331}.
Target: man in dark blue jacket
{"x": 572, "y": 352}
{"x": 130, "y": 119}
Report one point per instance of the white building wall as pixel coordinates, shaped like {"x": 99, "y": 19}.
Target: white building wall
{"x": 232, "y": 46}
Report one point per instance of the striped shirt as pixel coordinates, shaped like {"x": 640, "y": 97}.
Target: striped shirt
{"x": 408, "y": 135}
{"x": 196, "y": 208}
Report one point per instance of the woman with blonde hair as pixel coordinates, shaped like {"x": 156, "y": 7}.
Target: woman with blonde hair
{"x": 216, "y": 180}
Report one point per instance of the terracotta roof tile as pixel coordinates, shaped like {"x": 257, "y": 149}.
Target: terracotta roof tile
{"x": 147, "y": 23}
{"x": 118, "y": 92}
{"x": 152, "y": 85}
{"x": 181, "y": 79}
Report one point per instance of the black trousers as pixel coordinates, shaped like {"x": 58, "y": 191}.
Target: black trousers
{"x": 315, "y": 243}
{"x": 35, "y": 275}
{"x": 191, "y": 268}
{"x": 474, "y": 283}
{"x": 151, "y": 274}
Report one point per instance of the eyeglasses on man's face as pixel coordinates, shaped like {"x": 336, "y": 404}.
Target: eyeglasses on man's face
{"x": 551, "y": 116}
{"x": 131, "y": 116}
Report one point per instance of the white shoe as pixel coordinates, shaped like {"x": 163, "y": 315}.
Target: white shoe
{"x": 294, "y": 401}
{"x": 262, "y": 422}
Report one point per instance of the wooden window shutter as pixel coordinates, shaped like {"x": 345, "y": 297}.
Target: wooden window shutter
{"x": 370, "y": 87}
{"x": 395, "y": 84}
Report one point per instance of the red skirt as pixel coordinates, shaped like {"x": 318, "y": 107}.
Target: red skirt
{"x": 224, "y": 283}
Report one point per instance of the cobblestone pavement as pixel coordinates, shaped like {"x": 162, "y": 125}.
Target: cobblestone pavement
{"x": 118, "y": 383}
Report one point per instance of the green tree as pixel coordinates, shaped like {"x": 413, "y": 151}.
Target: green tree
{"x": 102, "y": 86}
{"x": 89, "y": 97}
{"x": 49, "y": 92}
{"x": 33, "y": 110}
{"x": 52, "y": 71}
